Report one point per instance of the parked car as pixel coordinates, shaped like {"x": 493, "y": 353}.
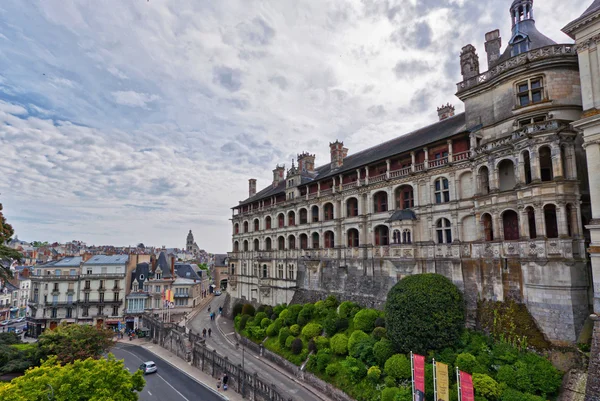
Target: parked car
{"x": 148, "y": 367}
{"x": 19, "y": 320}
{"x": 4, "y": 322}
{"x": 218, "y": 292}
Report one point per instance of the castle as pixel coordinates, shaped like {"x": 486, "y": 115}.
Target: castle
{"x": 496, "y": 198}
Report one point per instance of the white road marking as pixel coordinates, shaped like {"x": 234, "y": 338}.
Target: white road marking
{"x": 228, "y": 334}
{"x": 149, "y": 392}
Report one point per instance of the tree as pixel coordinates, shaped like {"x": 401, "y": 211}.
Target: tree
{"x": 365, "y": 320}
{"x": 424, "y": 312}
{"x": 398, "y": 367}
{"x": 7, "y": 255}
{"x": 90, "y": 379}
{"x": 70, "y": 342}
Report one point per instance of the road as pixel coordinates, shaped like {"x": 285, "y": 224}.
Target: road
{"x": 252, "y": 363}
{"x": 169, "y": 383}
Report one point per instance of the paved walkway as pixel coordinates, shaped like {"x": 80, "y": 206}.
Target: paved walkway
{"x": 223, "y": 340}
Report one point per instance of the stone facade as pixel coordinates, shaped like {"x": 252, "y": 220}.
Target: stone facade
{"x": 494, "y": 199}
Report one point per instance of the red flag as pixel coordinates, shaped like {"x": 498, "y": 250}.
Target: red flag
{"x": 419, "y": 377}
{"x": 466, "y": 387}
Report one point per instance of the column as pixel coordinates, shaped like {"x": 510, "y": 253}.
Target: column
{"x": 357, "y": 177}
{"x": 449, "y": 150}
{"x": 592, "y": 151}
{"x": 540, "y": 223}
{"x": 333, "y": 185}
{"x": 561, "y": 219}
{"x": 557, "y": 167}
{"x": 494, "y": 179}
{"x": 520, "y": 172}
{"x": 572, "y": 162}
{"x": 479, "y": 227}
{"x": 319, "y": 190}
{"x": 473, "y": 141}
{"x": 534, "y": 161}
{"x": 412, "y": 161}
{"x": 367, "y": 175}
{"x": 496, "y": 223}
{"x": 341, "y": 183}
{"x": 387, "y": 171}
{"x": 523, "y": 224}
{"x": 426, "y": 165}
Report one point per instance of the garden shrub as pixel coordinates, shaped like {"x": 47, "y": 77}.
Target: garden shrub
{"x": 236, "y": 322}
{"x": 320, "y": 309}
{"x": 487, "y": 387}
{"x": 390, "y": 393}
{"x": 324, "y": 357}
{"x": 353, "y": 369}
{"x": 364, "y": 351}
{"x": 279, "y": 308}
{"x": 283, "y": 315}
{"x": 424, "y": 312}
{"x": 379, "y": 333}
{"x": 334, "y": 324}
{"x": 348, "y": 309}
{"x": 380, "y": 322}
{"x": 259, "y": 317}
{"x": 289, "y": 341}
{"x": 339, "y": 344}
{"x": 382, "y": 351}
{"x": 545, "y": 378}
{"x": 292, "y": 317}
{"x": 373, "y": 374}
{"x": 353, "y": 341}
{"x": 244, "y": 321}
{"x": 306, "y": 314}
{"x": 504, "y": 353}
{"x": 510, "y": 394}
{"x": 312, "y": 347}
{"x": 237, "y": 309}
{"x": 332, "y": 369}
{"x": 261, "y": 308}
{"x": 256, "y": 333}
{"x": 389, "y": 381}
{"x": 272, "y": 330}
{"x": 297, "y": 346}
{"x": 398, "y": 367}
{"x": 248, "y": 309}
{"x": 284, "y": 333}
{"x": 295, "y": 330}
{"x": 365, "y": 320}
{"x": 321, "y": 342}
{"x": 266, "y": 322}
{"x": 331, "y": 302}
{"x": 467, "y": 363}
{"x": 268, "y": 310}
{"x": 312, "y": 330}
{"x": 448, "y": 356}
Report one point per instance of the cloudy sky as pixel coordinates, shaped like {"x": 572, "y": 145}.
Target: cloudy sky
{"x": 136, "y": 121}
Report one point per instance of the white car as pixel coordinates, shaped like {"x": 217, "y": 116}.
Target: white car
{"x": 19, "y": 320}
{"x": 5, "y": 323}
{"x": 148, "y": 367}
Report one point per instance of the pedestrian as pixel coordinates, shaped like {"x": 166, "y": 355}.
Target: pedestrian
{"x": 204, "y": 333}
{"x": 219, "y": 384}
{"x": 209, "y": 331}
{"x": 225, "y": 380}
{"x": 209, "y": 308}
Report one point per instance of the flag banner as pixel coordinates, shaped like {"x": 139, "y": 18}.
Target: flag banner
{"x": 443, "y": 388}
{"x": 419, "y": 368}
{"x": 466, "y": 387}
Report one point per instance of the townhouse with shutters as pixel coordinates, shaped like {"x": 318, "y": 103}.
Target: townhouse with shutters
{"x": 495, "y": 198}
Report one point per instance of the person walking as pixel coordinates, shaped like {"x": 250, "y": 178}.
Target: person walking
{"x": 219, "y": 384}
{"x": 225, "y": 381}
{"x": 209, "y": 331}
{"x": 204, "y": 333}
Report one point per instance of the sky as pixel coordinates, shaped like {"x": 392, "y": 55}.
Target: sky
{"x": 136, "y": 121}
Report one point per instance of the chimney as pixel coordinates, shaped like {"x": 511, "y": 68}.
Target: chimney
{"x": 445, "y": 112}
{"x": 251, "y": 187}
{"x": 493, "y": 43}
{"x": 86, "y": 256}
{"x": 469, "y": 62}
{"x": 306, "y": 162}
{"x": 278, "y": 175}
{"x": 338, "y": 152}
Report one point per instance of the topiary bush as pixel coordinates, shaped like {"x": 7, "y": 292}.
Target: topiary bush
{"x": 334, "y": 324}
{"x": 297, "y": 346}
{"x": 237, "y": 309}
{"x": 248, "y": 309}
{"x": 487, "y": 387}
{"x": 331, "y": 302}
{"x": 373, "y": 374}
{"x": 279, "y": 308}
{"x": 295, "y": 330}
{"x": 510, "y": 394}
{"x": 292, "y": 317}
{"x": 365, "y": 320}
{"x": 321, "y": 342}
{"x": 379, "y": 333}
{"x": 398, "y": 367}
{"x": 364, "y": 351}
{"x": 380, "y": 322}
{"x": 284, "y": 333}
{"x": 258, "y": 317}
{"x": 266, "y": 322}
{"x": 312, "y": 330}
{"x": 424, "y": 312}
{"x": 272, "y": 330}
{"x": 243, "y": 321}
{"x": 382, "y": 351}
{"x": 468, "y": 363}
{"x": 306, "y": 314}
{"x": 324, "y": 357}
{"x": 289, "y": 341}
{"x": 389, "y": 394}
{"x": 339, "y": 344}
{"x": 348, "y": 309}
{"x": 353, "y": 341}
{"x": 353, "y": 369}
{"x": 332, "y": 369}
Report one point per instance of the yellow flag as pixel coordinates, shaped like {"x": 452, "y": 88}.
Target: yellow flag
{"x": 443, "y": 392}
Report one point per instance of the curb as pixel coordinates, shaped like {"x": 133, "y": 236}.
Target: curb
{"x": 283, "y": 372}
{"x": 184, "y": 372}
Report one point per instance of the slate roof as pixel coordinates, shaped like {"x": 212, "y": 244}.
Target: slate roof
{"x": 220, "y": 260}
{"x": 70, "y": 261}
{"x": 414, "y": 140}
{"x": 405, "y": 214}
{"x": 591, "y": 9}
{"x": 107, "y": 260}
{"x": 164, "y": 265}
{"x": 186, "y": 271}
{"x": 537, "y": 39}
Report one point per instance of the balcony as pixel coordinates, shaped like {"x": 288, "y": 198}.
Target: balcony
{"x": 51, "y": 277}
{"x": 59, "y": 304}
{"x": 99, "y": 302}
{"x": 183, "y": 295}
{"x": 102, "y": 276}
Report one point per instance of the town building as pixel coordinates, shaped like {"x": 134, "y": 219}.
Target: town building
{"x": 494, "y": 198}
{"x": 221, "y": 270}
{"x": 24, "y": 288}
{"x": 190, "y": 285}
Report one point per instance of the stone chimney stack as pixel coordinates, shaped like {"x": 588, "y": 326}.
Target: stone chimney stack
{"x": 445, "y": 112}
{"x": 469, "y": 62}
{"x": 278, "y": 173}
{"x": 251, "y": 187}
{"x": 338, "y": 152}
{"x": 493, "y": 43}
{"x": 306, "y": 163}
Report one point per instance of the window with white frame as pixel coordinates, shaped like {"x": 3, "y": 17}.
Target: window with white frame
{"x": 442, "y": 190}
{"x": 290, "y": 272}
{"x": 444, "y": 231}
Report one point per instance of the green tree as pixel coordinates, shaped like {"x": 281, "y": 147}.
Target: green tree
{"x": 383, "y": 350}
{"x": 398, "y": 367}
{"x": 424, "y": 312}
{"x": 6, "y": 254}
{"x": 312, "y": 330}
{"x": 93, "y": 380}
{"x": 70, "y": 342}
{"x": 486, "y": 386}
{"x": 365, "y": 320}
{"x": 339, "y": 344}
{"x": 353, "y": 342}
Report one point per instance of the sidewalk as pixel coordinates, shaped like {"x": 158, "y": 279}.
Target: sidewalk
{"x": 183, "y": 366}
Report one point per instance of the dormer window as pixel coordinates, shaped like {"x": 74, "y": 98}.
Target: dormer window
{"x": 290, "y": 183}
{"x": 530, "y": 92}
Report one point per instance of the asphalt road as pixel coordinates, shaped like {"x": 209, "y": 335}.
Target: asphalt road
{"x": 252, "y": 363}
{"x": 169, "y": 383}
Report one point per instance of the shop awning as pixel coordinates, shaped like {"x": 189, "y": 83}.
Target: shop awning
{"x": 213, "y": 286}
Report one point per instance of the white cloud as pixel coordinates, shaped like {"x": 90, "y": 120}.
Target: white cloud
{"x": 134, "y": 99}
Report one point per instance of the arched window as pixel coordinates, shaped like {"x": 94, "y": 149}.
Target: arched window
{"x": 291, "y": 242}
{"x": 488, "y": 227}
{"x": 506, "y": 173}
{"x": 303, "y": 216}
{"x": 442, "y": 190}
{"x": 328, "y": 211}
{"x": 236, "y": 228}
{"x": 256, "y": 225}
{"x": 303, "y": 241}
{"x": 546, "y": 172}
{"x": 256, "y": 245}
{"x": 404, "y": 197}
{"x": 484, "y": 180}
{"x": 531, "y": 222}
{"x": 550, "y": 220}
{"x": 281, "y": 220}
{"x": 527, "y": 166}
{"x": 281, "y": 243}
{"x": 329, "y": 239}
{"x": 236, "y": 246}
{"x": 406, "y": 236}
{"x": 245, "y": 226}
{"x": 315, "y": 214}
{"x": 315, "y": 241}
{"x": 245, "y": 245}
{"x": 352, "y": 207}
{"x": 353, "y": 238}
{"x": 444, "y": 231}
{"x": 265, "y": 271}
{"x": 397, "y": 237}
{"x": 510, "y": 221}
{"x": 291, "y": 218}
{"x": 268, "y": 222}
{"x": 380, "y": 202}
{"x": 382, "y": 235}
{"x": 268, "y": 245}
